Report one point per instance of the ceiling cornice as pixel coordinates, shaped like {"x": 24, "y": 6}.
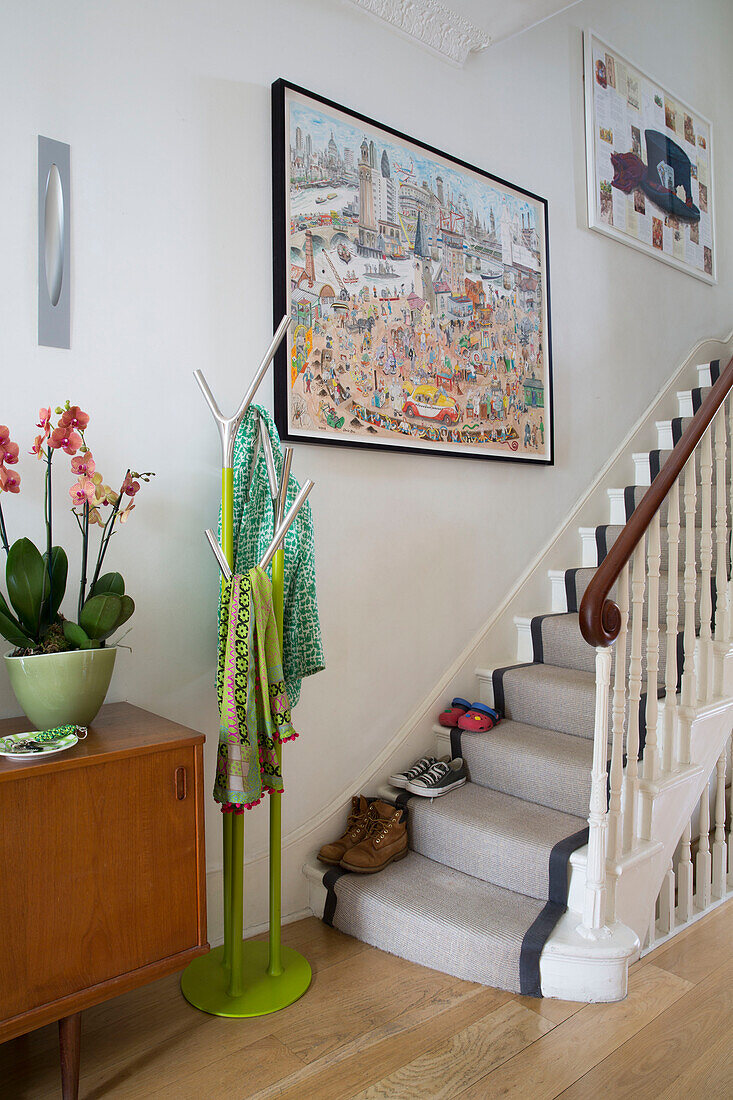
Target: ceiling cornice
{"x": 437, "y": 27}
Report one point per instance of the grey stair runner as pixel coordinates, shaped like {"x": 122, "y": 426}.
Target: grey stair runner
{"x": 486, "y": 878}
{"x": 557, "y": 641}
{"x": 492, "y": 836}
{"x": 443, "y": 919}
{"x": 534, "y": 764}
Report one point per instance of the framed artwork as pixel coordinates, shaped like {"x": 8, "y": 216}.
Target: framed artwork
{"x": 650, "y": 164}
{"x": 419, "y": 290}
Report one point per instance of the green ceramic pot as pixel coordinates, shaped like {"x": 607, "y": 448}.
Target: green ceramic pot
{"x": 58, "y": 689}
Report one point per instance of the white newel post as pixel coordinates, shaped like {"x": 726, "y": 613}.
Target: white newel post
{"x": 631, "y": 773}
{"x": 594, "y": 909}
{"x": 616, "y": 775}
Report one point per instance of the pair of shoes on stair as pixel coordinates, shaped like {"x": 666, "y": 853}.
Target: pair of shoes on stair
{"x": 476, "y": 717}
{"x": 430, "y": 777}
{"x": 375, "y": 836}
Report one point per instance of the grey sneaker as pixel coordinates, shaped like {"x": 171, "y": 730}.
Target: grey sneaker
{"x": 401, "y": 779}
{"x": 439, "y": 778}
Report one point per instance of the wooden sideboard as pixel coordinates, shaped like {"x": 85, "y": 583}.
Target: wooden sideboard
{"x": 102, "y": 871}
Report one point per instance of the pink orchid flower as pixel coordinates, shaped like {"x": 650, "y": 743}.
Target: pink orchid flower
{"x": 82, "y": 492}
{"x": 37, "y": 448}
{"x": 9, "y": 481}
{"x": 4, "y": 434}
{"x": 83, "y": 464}
{"x": 74, "y": 418}
{"x": 65, "y": 439}
{"x": 44, "y": 421}
{"x": 130, "y": 487}
{"x": 9, "y": 453}
{"x": 124, "y": 515}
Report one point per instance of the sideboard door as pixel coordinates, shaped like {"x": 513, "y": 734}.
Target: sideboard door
{"x": 98, "y": 874}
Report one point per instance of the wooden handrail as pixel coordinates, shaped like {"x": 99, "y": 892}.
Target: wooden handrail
{"x": 600, "y": 618}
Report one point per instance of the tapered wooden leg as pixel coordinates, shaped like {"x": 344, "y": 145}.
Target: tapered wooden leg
{"x": 70, "y": 1048}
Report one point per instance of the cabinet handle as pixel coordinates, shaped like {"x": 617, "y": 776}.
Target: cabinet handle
{"x": 180, "y": 784}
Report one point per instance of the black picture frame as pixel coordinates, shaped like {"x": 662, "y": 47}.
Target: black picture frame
{"x": 282, "y": 303}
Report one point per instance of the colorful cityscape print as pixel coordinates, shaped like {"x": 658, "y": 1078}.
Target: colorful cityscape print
{"x": 417, "y": 289}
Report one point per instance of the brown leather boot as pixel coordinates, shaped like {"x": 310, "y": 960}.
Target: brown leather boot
{"x": 356, "y": 830}
{"x": 385, "y": 842}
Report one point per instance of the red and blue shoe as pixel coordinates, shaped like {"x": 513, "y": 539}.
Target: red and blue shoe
{"x": 449, "y": 717}
{"x": 478, "y": 718}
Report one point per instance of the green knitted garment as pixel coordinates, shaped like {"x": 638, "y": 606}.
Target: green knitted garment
{"x": 253, "y": 530}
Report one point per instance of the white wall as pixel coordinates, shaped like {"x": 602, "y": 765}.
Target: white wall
{"x": 166, "y": 108}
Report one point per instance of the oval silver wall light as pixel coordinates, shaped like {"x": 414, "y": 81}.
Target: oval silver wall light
{"x": 54, "y": 232}
{"x": 54, "y": 304}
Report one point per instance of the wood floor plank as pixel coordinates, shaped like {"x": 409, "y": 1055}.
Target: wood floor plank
{"x": 550, "y": 1008}
{"x": 574, "y": 1047}
{"x": 387, "y": 1047}
{"x": 376, "y": 1025}
{"x": 693, "y": 957}
{"x": 449, "y": 1069}
{"x": 709, "y": 1075}
{"x": 239, "y": 1075}
{"x": 659, "y": 1053}
{"x": 360, "y": 994}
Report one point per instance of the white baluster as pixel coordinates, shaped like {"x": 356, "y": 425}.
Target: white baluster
{"x": 670, "y": 670}
{"x": 719, "y": 845}
{"x": 703, "y": 865}
{"x": 689, "y": 685}
{"x": 705, "y": 648}
{"x": 684, "y": 877}
{"x": 594, "y": 908}
{"x": 615, "y": 824}
{"x": 651, "y": 753}
{"x": 666, "y": 902}
{"x": 631, "y": 775}
{"x": 721, "y": 551}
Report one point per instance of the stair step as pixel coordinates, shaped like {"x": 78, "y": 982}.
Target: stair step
{"x": 440, "y": 918}
{"x": 547, "y": 696}
{"x": 558, "y": 641}
{"x": 492, "y": 836}
{"x": 533, "y": 764}
{"x": 634, "y": 494}
{"x": 577, "y": 581}
{"x": 605, "y": 537}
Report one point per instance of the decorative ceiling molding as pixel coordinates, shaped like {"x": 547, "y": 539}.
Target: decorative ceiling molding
{"x": 439, "y": 28}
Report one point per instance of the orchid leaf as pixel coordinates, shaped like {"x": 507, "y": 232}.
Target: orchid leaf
{"x": 59, "y": 572}
{"x": 99, "y": 615}
{"x": 75, "y": 635}
{"x": 27, "y": 580}
{"x": 110, "y": 582}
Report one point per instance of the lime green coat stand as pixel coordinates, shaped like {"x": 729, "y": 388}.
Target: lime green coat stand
{"x": 246, "y": 978}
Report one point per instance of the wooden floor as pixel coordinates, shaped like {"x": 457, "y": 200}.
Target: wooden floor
{"x": 373, "y": 1025}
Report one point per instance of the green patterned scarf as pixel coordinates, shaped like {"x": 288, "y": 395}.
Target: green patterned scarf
{"x": 253, "y": 704}
{"x": 253, "y": 530}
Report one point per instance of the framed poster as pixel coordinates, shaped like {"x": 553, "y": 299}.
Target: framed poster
{"x": 419, "y": 289}
{"x": 650, "y": 164}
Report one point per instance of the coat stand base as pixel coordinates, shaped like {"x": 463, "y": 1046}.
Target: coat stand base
{"x": 205, "y": 982}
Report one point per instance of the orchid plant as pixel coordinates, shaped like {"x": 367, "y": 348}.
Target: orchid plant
{"x": 36, "y": 581}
